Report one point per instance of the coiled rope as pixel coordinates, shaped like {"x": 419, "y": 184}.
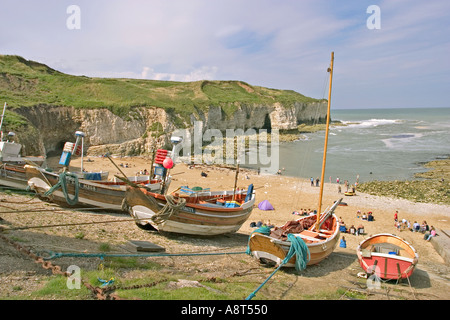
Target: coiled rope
{"x": 169, "y": 209}
{"x": 62, "y": 182}
{"x": 302, "y": 254}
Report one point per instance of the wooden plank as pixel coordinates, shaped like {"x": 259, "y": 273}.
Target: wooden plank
{"x": 145, "y": 246}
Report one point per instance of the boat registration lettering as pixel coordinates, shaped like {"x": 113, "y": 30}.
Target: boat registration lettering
{"x": 189, "y": 209}
{"x": 87, "y": 187}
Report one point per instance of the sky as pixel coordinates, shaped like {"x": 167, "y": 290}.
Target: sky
{"x": 387, "y": 54}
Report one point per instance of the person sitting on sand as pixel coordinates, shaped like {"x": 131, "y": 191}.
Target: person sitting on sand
{"x": 364, "y": 216}
{"x": 203, "y": 174}
{"x": 360, "y": 229}
{"x": 370, "y": 216}
{"x": 352, "y": 230}
{"x": 424, "y": 227}
{"x": 431, "y": 235}
{"x": 416, "y": 226}
{"x": 343, "y": 243}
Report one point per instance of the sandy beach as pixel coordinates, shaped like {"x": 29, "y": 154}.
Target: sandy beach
{"x": 288, "y": 194}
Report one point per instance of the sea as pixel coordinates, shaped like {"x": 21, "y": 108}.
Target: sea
{"x": 372, "y": 144}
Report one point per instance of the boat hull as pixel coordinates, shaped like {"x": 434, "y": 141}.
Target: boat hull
{"x": 193, "y": 218}
{"x": 13, "y": 176}
{"x": 388, "y": 256}
{"x": 264, "y": 247}
{"x": 106, "y": 195}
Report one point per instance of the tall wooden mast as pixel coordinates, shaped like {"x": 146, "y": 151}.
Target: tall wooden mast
{"x": 319, "y": 210}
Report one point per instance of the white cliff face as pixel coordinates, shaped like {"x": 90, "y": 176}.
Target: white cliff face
{"x": 255, "y": 116}
{"x": 145, "y": 127}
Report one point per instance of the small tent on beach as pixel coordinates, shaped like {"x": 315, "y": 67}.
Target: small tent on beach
{"x": 265, "y": 205}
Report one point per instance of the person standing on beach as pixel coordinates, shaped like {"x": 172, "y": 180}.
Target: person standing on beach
{"x": 312, "y": 182}
{"x": 396, "y": 216}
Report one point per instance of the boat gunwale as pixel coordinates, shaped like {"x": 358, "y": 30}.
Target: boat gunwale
{"x": 412, "y": 260}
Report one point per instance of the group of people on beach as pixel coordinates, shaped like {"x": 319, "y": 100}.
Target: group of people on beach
{"x": 304, "y": 212}
{"x": 352, "y": 230}
{"x": 404, "y": 224}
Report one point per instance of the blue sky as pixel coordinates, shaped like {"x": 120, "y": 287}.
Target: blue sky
{"x": 282, "y": 44}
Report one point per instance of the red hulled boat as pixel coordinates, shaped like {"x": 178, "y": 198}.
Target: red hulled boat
{"x": 388, "y": 256}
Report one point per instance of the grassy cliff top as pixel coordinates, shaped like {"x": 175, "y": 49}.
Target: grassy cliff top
{"x": 28, "y": 83}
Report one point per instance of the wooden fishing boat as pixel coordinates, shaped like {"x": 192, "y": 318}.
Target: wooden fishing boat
{"x": 202, "y": 213}
{"x": 273, "y": 248}
{"x": 90, "y": 189}
{"x": 388, "y": 256}
{"x": 319, "y": 233}
{"x": 12, "y": 172}
{"x": 66, "y": 189}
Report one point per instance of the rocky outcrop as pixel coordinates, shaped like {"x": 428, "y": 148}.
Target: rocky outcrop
{"x": 144, "y": 127}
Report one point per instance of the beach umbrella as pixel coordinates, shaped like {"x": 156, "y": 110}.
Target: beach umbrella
{"x": 265, "y": 205}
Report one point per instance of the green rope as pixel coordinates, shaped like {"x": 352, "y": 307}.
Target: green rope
{"x": 264, "y": 230}
{"x": 62, "y": 182}
{"x": 301, "y": 251}
{"x": 55, "y": 255}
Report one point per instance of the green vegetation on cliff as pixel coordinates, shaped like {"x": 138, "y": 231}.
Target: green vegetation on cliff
{"x": 27, "y": 83}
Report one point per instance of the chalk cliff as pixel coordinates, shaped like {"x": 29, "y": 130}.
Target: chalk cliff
{"x": 144, "y": 127}
{"x": 129, "y": 116}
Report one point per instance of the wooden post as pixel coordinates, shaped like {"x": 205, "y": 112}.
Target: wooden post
{"x": 235, "y": 181}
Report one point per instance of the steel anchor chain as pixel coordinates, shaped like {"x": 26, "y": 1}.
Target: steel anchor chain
{"x": 97, "y": 292}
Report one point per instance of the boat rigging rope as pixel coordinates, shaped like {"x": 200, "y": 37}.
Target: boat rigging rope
{"x": 62, "y": 182}
{"x": 301, "y": 251}
{"x": 169, "y": 209}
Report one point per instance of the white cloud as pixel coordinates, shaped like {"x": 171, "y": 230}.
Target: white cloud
{"x": 202, "y": 73}
{"x": 278, "y": 44}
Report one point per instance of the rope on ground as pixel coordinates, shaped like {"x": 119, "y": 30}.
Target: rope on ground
{"x": 169, "y": 209}
{"x": 56, "y": 255}
{"x": 62, "y": 182}
{"x": 301, "y": 251}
